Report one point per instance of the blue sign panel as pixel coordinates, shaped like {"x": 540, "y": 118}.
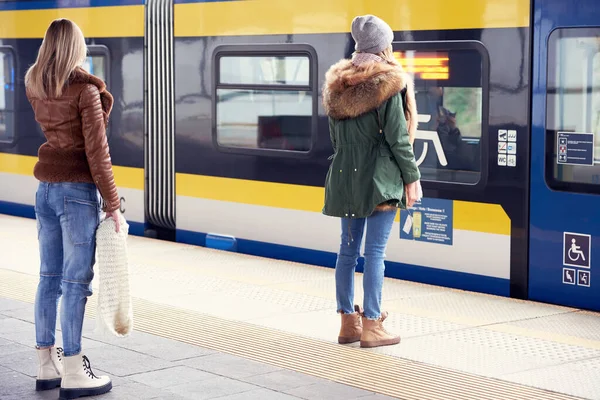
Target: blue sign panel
{"x": 575, "y": 148}
{"x": 429, "y": 220}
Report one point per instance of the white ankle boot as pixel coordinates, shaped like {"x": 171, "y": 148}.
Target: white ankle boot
{"x": 50, "y": 368}
{"x": 79, "y": 379}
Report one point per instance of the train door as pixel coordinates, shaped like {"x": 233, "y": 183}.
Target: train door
{"x": 564, "y": 254}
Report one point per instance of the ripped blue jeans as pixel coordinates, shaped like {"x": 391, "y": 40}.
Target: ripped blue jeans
{"x": 379, "y": 225}
{"x": 67, "y": 216}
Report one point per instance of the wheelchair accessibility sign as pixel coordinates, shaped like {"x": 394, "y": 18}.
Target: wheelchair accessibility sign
{"x": 576, "y": 250}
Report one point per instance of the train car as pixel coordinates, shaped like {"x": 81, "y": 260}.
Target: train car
{"x": 219, "y": 138}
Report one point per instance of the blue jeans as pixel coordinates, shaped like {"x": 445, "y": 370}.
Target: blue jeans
{"x": 379, "y": 225}
{"x": 67, "y": 217}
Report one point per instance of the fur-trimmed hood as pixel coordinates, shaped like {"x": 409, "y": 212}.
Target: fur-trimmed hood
{"x": 350, "y": 91}
{"x": 81, "y": 76}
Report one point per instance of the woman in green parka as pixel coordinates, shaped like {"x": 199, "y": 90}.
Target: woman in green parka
{"x": 372, "y": 122}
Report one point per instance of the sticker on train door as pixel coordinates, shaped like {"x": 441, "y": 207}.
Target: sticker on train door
{"x": 429, "y": 220}
{"x": 576, "y": 249}
{"x": 575, "y": 148}
{"x": 502, "y": 160}
{"x": 583, "y": 278}
{"x": 569, "y": 276}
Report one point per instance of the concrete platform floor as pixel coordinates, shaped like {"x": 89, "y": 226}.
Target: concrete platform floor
{"x": 146, "y": 366}
{"x": 269, "y": 317}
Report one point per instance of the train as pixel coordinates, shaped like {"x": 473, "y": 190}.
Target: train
{"x": 218, "y": 136}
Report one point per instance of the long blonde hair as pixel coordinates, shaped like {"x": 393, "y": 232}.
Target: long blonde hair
{"x": 62, "y": 50}
{"x": 410, "y": 113}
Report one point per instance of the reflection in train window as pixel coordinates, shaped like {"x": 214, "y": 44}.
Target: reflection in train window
{"x": 96, "y": 65}
{"x": 264, "y": 102}
{"x": 573, "y": 106}
{"x": 264, "y": 119}
{"x": 449, "y": 94}
{"x": 261, "y": 70}
{"x": 7, "y": 96}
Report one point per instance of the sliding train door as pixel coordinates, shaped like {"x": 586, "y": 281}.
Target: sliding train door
{"x": 565, "y": 154}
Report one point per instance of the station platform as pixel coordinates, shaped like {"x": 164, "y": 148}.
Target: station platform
{"x": 211, "y": 324}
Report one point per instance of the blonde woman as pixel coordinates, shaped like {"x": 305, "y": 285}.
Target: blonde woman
{"x": 372, "y": 122}
{"x": 72, "y": 108}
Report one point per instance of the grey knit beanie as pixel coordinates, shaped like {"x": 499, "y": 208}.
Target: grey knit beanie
{"x": 371, "y": 34}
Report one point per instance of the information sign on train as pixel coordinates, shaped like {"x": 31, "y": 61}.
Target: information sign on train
{"x": 425, "y": 65}
{"x": 431, "y": 220}
{"x": 575, "y": 148}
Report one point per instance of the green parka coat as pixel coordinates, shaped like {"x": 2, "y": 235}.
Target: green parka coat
{"x": 373, "y": 158}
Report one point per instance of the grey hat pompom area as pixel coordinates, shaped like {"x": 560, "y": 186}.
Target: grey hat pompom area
{"x": 371, "y": 34}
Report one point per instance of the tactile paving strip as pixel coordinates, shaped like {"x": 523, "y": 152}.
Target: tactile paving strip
{"x": 579, "y": 378}
{"x": 392, "y": 289}
{"x": 489, "y": 353}
{"x": 581, "y": 324}
{"x": 482, "y": 309}
{"x": 519, "y": 345}
{"x": 415, "y": 326}
{"x": 355, "y": 367}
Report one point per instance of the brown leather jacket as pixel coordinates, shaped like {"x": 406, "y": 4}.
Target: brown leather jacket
{"x": 76, "y": 148}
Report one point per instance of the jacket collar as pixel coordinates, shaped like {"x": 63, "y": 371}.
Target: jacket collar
{"x": 351, "y": 90}
{"x": 81, "y": 76}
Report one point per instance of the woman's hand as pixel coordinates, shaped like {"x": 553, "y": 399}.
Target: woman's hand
{"x": 115, "y": 215}
{"x": 412, "y": 193}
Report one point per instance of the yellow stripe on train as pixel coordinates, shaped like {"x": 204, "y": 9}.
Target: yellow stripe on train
{"x": 125, "y": 177}
{"x": 96, "y": 22}
{"x": 477, "y": 217}
{"x": 270, "y": 17}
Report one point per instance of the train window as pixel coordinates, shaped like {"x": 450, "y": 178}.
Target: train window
{"x": 96, "y": 65}
{"x": 451, "y": 94}
{"x": 265, "y": 99}
{"x": 97, "y": 62}
{"x": 261, "y": 70}
{"x": 573, "y": 110}
{"x": 7, "y": 95}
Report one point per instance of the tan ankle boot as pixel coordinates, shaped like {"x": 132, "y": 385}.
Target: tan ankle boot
{"x": 351, "y": 327}
{"x": 375, "y": 335}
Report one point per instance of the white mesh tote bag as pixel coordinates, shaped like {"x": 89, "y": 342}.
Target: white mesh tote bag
{"x": 115, "y": 313}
